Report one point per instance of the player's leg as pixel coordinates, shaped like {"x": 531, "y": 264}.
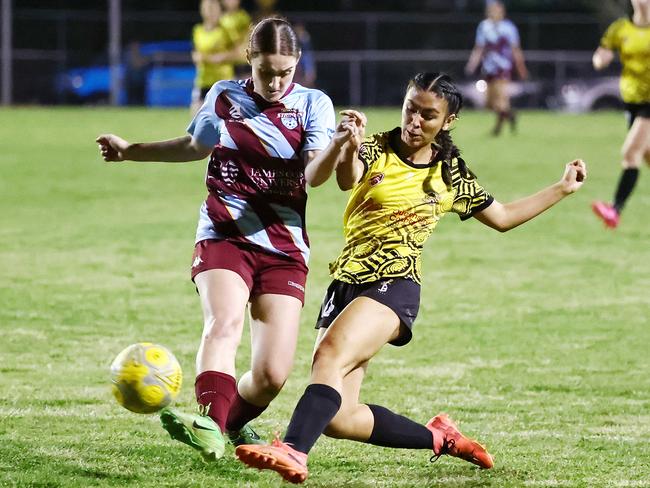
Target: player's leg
{"x": 377, "y": 425}
{"x": 276, "y": 303}
{"x": 500, "y": 103}
{"x": 356, "y": 335}
{"x": 274, "y": 326}
{"x": 634, "y": 150}
{"x": 223, "y": 294}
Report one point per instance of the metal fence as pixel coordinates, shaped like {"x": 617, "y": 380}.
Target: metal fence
{"x": 362, "y": 58}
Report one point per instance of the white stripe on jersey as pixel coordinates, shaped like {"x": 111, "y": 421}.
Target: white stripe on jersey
{"x": 226, "y": 139}
{"x": 248, "y": 222}
{"x": 292, "y": 221}
{"x": 271, "y": 137}
{"x": 205, "y": 228}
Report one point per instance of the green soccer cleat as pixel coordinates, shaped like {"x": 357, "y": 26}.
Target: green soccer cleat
{"x": 199, "y": 432}
{"x": 246, "y": 435}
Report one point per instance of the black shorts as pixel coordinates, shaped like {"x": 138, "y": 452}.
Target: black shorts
{"x": 634, "y": 110}
{"x": 401, "y": 295}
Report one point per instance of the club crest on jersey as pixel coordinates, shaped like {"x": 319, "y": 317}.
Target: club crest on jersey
{"x": 289, "y": 119}
{"x": 376, "y": 179}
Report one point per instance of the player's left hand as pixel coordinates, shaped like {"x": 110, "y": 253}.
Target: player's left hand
{"x": 575, "y": 174}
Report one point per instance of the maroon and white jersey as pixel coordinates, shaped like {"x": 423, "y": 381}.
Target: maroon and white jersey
{"x": 255, "y": 176}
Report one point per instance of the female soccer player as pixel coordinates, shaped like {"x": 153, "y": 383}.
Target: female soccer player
{"x": 403, "y": 181}
{"x": 266, "y": 138}
{"x": 497, "y": 50}
{"x": 214, "y": 53}
{"x": 631, "y": 38}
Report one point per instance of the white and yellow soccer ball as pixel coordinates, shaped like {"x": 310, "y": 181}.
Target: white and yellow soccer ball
{"x": 146, "y": 377}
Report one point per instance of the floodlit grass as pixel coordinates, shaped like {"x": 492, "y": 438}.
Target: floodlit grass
{"x": 535, "y": 341}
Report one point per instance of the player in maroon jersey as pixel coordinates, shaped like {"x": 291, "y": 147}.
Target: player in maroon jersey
{"x": 267, "y": 137}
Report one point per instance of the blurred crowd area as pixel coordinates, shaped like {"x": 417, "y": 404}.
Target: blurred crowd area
{"x": 359, "y": 51}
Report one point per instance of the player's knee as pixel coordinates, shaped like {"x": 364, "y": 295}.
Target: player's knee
{"x": 327, "y": 357}
{"x": 269, "y": 380}
{"x": 222, "y": 330}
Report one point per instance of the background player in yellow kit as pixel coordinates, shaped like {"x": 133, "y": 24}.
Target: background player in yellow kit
{"x": 215, "y": 51}
{"x": 631, "y": 38}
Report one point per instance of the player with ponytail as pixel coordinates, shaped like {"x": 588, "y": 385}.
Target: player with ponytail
{"x": 403, "y": 181}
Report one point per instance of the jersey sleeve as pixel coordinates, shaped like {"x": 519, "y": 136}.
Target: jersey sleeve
{"x": 319, "y": 124}
{"x": 480, "y": 35}
{"x": 371, "y": 148}
{"x": 513, "y": 34}
{"x": 469, "y": 197}
{"x": 612, "y": 37}
{"x": 205, "y": 124}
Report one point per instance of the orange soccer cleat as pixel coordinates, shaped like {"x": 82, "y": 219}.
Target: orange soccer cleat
{"x": 607, "y": 213}
{"x": 279, "y": 457}
{"x": 447, "y": 439}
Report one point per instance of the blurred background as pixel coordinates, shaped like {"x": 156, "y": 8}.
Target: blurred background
{"x": 359, "y": 51}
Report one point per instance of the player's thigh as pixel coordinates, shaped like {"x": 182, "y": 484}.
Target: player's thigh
{"x": 274, "y": 322}
{"x": 357, "y": 334}
{"x": 637, "y": 142}
{"x": 224, "y": 296}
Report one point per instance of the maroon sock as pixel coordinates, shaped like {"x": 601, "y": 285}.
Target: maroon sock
{"x": 218, "y": 391}
{"x": 242, "y": 412}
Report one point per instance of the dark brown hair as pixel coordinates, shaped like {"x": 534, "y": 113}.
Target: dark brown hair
{"x": 273, "y": 36}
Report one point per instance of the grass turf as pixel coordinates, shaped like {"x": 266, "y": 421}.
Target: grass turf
{"x": 535, "y": 341}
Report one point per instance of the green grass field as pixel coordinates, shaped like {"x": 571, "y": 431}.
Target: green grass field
{"x": 535, "y": 341}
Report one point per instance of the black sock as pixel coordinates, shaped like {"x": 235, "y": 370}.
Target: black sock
{"x": 314, "y": 411}
{"x": 394, "y": 430}
{"x": 625, "y": 186}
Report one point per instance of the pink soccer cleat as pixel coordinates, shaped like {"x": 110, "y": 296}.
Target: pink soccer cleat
{"x": 607, "y": 213}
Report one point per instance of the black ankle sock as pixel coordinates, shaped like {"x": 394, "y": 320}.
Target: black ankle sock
{"x": 625, "y": 186}
{"x": 394, "y": 430}
{"x": 317, "y": 406}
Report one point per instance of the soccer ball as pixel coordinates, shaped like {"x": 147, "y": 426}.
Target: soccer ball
{"x": 146, "y": 377}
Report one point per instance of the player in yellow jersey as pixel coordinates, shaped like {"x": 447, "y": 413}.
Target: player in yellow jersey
{"x": 403, "y": 182}
{"x": 214, "y": 52}
{"x": 631, "y": 38}
{"x": 236, "y": 21}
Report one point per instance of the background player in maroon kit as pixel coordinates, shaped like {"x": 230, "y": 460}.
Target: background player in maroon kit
{"x": 267, "y": 137}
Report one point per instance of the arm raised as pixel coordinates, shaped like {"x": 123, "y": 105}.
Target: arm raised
{"x": 319, "y": 165}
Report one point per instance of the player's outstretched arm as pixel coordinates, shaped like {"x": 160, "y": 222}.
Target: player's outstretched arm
{"x": 181, "y": 149}
{"x": 504, "y": 217}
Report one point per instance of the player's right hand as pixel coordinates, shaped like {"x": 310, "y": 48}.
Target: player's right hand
{"x": 112, "y": 147}
{"x": 352, "y": 127}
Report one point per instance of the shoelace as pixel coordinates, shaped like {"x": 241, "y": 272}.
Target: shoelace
{"x": 276, "y": 440}
{"x": 446, "y": 446}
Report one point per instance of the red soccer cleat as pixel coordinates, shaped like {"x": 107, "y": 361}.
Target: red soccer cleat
{"x": 447, "y": 439}
{"x": 279, "y": 457}
{"x": 608, "y": 214}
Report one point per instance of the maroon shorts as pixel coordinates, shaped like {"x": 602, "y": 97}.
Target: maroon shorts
{"x": 262, "y": 272}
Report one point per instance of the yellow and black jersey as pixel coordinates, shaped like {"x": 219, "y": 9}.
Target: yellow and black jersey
{"x": 394, "y": 209}
{"x": 207, "y": 42}
{"x": 633, "y": 45}
{"x": 237, "y": 24}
